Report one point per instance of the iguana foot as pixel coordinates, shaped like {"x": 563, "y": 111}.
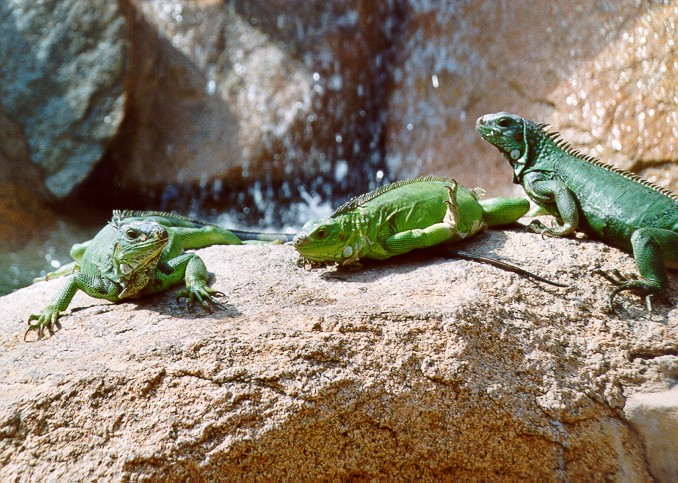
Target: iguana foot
{"x": 203, "y": 295}
{"x": 552, "y": 231}
{"x": 630, "y": 281}
{"x": 452, "y": 215}
{"x": 47, "y": 319}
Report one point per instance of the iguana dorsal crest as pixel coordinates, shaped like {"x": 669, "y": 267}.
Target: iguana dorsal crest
{"x": 120, "y": 215}
{"x": 567, "y": 148}
{"x": 354, "y": 203}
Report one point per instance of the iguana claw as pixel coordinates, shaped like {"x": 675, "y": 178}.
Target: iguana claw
{"x": 622, "y": 282}
{"x": 45, "y": 320}
{"x": 202, "y": 295}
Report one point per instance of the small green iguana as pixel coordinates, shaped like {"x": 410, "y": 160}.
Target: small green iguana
{"x": 407, "y": 215}
{"x": 140, "y": 253}
{"x": 604, "y": 202}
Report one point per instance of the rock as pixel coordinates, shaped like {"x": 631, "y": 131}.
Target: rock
{"x": 655, "y": 417}
{"x": 23, "y": 214}
{"x": 62, "y": 82}
{"x": 412, "y": 369}
{"x": 253, "y": 92}
{"x": 603, "y": 74}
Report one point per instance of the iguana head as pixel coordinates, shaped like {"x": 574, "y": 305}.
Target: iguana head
{"x": 511, "y": 134}
{"x": 326, "y": 240}
{"x": 138, "y": 246}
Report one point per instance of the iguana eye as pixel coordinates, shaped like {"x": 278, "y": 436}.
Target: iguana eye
{"x": 322, "y": 233}
{"x": 131, "y": 234}
{"x": 504, "y": 122}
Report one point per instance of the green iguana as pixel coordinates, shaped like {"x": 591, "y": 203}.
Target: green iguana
{"x": 407, "y": 215}
{"x": 604, "y": 202}
{"x": 140, "y": 253}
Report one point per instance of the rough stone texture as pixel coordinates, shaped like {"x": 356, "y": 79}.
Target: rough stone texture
{"x": 63, "y": 66}
{"x": 602, "y": 73}
{"x": 655, "y": 417}
{"x": 413, "y": 369}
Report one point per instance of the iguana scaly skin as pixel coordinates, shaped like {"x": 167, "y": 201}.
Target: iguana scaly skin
{"x": 140, "y": 253}
{"x": 403, "y": 216}
{"x": 604, "y": 202}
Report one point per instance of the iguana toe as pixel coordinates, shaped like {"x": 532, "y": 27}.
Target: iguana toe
{"x": 204, "y": 296}
{"x": 452, "y": 214}
{"x": 45, "y": 320}
{"x": 631, "y": 282}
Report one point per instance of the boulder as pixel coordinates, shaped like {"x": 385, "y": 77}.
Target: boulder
{"x": 62, "y": 82}
{"x": 226, "y": 95}
{"x": 23, "y": 214}
{"x": 655, "y": 417}
{"x": 415, "y": 368}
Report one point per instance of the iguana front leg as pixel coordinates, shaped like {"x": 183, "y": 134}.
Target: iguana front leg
{"x": 94, "y": 286}
{"x": 549, "y": 192}
{"x": 653, "y": 250}
{"x": 190, "y": 268}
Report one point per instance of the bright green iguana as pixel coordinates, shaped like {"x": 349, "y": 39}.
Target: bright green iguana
{"x": 406, "y": 215}
{"x": 140, "y": 253}
{"x": 604, "y": 202}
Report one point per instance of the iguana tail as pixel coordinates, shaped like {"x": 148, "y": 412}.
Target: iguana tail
{"x": 256, "y": 236}
{"x": 496, "y": 263}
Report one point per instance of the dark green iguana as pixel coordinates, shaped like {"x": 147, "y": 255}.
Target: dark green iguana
{"x": 140, "y": 253}
{"x": 403, "y": 216}
{"x": 604, "y": 202}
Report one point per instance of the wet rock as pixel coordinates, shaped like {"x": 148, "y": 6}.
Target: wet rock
{"x": 223, "y": 95}
{"x": 603, "y": 74}
{"x": 22, "y": 201}
{"x": 411, "y": 369}
{"x": 63, "y": 68}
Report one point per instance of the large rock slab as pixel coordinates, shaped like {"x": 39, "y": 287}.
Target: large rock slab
{"x": 412, "y": 369}
{"x": 62, "y": 81}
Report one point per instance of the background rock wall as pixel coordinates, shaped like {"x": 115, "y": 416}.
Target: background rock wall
{"x": 257, "y": 104}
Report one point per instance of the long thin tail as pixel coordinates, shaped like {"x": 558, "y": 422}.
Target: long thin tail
{"x": 262, "y": 236}
{"x": 496, "y": 263}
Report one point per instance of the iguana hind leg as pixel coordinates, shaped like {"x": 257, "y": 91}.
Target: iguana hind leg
{"x": 435, "y": 234}
{"x": 653, "y": 250}
{"x": 503, "y": 210}
{"x": 452, "y": 215}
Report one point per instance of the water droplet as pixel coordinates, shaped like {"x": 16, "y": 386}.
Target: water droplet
{"x": 338, "y": 138}
{"x": 340, "y": 170}
{"x": 409, "y": 127}
{"x": 434, "y": 81}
